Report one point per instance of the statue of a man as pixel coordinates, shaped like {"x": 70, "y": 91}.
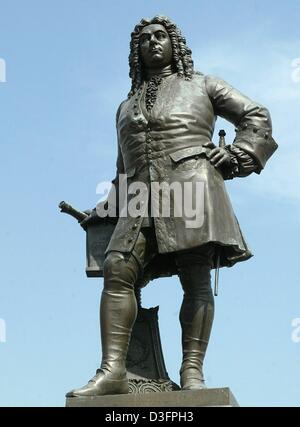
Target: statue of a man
{"x": 165, "y": 129}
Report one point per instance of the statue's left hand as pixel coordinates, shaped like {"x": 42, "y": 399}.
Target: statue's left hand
{"x": 218, "y": 156}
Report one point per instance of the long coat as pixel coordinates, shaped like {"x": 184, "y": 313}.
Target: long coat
{"x": 166, "y": 145}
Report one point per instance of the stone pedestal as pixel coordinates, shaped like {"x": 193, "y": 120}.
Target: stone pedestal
{"x": 206, "y": 397}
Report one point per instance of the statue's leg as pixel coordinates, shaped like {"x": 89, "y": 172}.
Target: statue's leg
{"x": 118, "y": 310}
{"x": 196, "y": 315}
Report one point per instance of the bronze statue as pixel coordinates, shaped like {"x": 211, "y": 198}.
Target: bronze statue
{"x": 165, "y": 129}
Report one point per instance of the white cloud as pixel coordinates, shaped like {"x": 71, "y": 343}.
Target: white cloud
{"x": 2, "y": 70}
{"x": 2, "y": 331}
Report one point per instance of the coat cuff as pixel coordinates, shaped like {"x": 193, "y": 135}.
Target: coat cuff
{"x": 246, "y": 163}
{"x": 257, "y": 142}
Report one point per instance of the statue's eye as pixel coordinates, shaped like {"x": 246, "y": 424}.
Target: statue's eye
{"x": 161, "y": 36}
{"x": 144, "y": 38}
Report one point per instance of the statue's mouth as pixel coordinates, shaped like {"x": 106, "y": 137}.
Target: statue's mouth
{"x": 155, "y": 50}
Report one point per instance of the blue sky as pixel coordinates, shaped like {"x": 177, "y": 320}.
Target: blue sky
{"x": 66, "y": 73}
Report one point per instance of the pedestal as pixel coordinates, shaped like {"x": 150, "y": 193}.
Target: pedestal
{"x": 221, "y": 397}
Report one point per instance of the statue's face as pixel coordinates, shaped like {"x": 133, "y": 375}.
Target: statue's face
{"x": 155, "y": 46}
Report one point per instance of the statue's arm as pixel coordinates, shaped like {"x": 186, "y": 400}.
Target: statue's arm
{"x": 111, "y": 204}
{"x": 253, "y": 144}
{"x": 108, "y": 208}
{"x": 116, "y": 181}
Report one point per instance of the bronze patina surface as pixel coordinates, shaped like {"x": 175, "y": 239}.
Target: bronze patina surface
{"x": 165, "y": 129}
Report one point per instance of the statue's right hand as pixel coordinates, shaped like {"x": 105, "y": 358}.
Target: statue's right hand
{"x": 92, "y": 218}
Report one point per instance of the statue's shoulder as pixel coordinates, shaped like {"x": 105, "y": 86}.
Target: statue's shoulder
{"x": 214, "y": 84}
{"x": 120, "y": 108}
{"x": 200, "y": 78}
{"x": 202, "y": 81}
{"x": 208, "y": 79}
{"x": 215, "y": 81}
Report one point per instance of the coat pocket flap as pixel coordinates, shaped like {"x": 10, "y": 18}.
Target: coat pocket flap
{"x": 187, "y": 152}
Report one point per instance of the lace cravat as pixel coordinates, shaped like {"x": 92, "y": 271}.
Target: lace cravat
{"x": 151, "y": 92}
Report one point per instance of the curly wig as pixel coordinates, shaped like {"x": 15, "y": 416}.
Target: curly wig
{"x": 182, "y": 55}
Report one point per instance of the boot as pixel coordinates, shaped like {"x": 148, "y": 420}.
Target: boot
{"x": 196, "y": 318}
{"x": 195, "y": 336}
{"x": 102, "y": 383}
{"x": 118, "y": 312}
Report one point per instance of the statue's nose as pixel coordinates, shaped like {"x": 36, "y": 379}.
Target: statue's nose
{"x": 153, "y": 39}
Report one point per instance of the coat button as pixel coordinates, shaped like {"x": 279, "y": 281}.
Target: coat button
{"x": 130, "y": 240}
{"x": 135, "y": 226}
